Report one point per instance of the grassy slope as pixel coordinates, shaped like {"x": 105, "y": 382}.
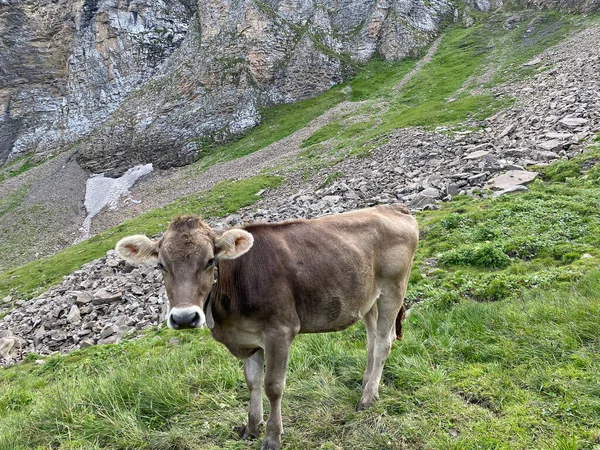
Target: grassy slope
{"x": 441, "y": 92}
{"x": 517, "y": 373}
{"x": 499, "y": 247}
{"x": 280, "y": 121}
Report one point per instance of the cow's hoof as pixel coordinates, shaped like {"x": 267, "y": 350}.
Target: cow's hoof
{"x": 271, "y": 444}
{"x": 246, "y": 434}
{"x": 364, "y": 405}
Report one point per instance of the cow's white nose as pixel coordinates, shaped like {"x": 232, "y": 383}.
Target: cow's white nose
{"x": 190, "y": 317}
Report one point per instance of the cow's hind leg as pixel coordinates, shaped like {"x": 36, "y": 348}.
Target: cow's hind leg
{"x": 370, "y": 320}
{"x": 277, "y": 350}
{"x": 253, "y": 370}
{"x": 388, "y": 307}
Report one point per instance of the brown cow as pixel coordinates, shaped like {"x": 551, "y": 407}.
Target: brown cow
{"x": 277, "y": 280}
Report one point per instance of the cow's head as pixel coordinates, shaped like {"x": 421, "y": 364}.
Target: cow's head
{"x": 186, "y": 254}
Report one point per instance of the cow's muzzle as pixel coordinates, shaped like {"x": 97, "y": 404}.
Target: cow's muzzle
{"x": 188, "y": 317}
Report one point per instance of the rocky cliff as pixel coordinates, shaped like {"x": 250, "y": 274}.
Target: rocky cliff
{"x": 66, "y": 65}
{"x": 128, "y": 82}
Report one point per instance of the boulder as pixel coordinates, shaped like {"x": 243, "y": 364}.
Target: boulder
{"x": 573, "y": 122}
{"x": 511, "y": 179}
{"x": 511, "y": 190}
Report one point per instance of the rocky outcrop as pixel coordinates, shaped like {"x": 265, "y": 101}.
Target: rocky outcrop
{"x": 241, "y": 57}
{"x": 68, "y": 64}
{"x": 157, "y": 80}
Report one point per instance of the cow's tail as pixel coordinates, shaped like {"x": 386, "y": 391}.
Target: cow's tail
{"x": 399, "y": 318}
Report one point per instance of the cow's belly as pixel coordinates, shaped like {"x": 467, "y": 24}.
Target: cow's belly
{"x": 335, "y": 314}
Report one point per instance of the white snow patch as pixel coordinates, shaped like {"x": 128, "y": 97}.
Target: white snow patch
{"x": 101, "y": 192}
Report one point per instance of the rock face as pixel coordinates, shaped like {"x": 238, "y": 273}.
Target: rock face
{"x": 154, "y": 81}
{"x": 239, "y": 57}
{"x": 67, "y": 65}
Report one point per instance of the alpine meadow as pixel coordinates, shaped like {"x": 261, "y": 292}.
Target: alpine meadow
{"x": 482, "y": 118}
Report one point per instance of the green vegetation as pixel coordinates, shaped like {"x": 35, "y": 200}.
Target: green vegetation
{"x": 13, "y": 200}
{"x": 224, "y": 198}
{"x": 516, "y": 373}
{"x": 499, "y": 247}
{"x": 506, "y": 375}
{"x": 18, "y": 166}
{"x": 538, "y": 33}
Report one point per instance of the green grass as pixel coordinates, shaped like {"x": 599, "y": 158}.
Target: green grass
{"x": 424, "y": 100}
{"x": 546, "y": 30}
{"x": 500, "y": 247}
{"x": 518, "y": 372}
{"x": 224, "y": 198}
{"x": 507, "y": 375}
{"x": 18, "y": 166}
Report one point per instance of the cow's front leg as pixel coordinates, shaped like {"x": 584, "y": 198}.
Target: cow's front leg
{"x": 253, "y": 370}
{"x": 277, "y": 351}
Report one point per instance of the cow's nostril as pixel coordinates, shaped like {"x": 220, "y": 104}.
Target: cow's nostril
{"x": 185, "y": 318}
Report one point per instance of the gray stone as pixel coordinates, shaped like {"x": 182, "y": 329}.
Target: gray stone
{"x": 511, "y": 190}
{"x": 431, "y": 192}
{"x": 510, "y": 179}
{"x": 58, "y": 335}
{"x": 104, "y": 296}
{"x": 477, "y": 154}
{"x": 109, "y": 340}
{"x": 74, "y": 315}
{"x": 108, "y": 330}
{"x": 453, "y": 189}
{"x": 84, "y": 298}
{"x": 573, "y": 122}
{"x": 87, "y": 343}
{"x": 477, "y": 178}
{"x": 136, "y": 290}
{"x": 545, "y": 155}
{"x": 332, "y": 199}
{"x": 426, "y": 197}
{"x": 552, "y": 145}
{"x": 561, "y": 136}
{"x": 508, "y": 130}
{"x": 533, "y": 62}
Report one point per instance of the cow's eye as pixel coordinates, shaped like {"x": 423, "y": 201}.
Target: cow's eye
{"x": 161, "y": 267}
{"x": 210, "y": 262}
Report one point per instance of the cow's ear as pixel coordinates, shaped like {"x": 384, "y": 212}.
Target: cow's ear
{"x": 138, "y": 249}
{"x": 233, "y": 243}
